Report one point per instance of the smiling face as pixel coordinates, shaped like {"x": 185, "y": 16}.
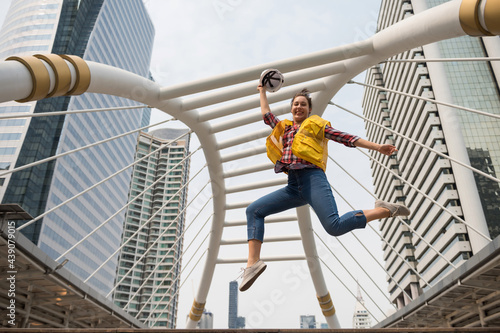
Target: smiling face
{"x": 300, "y": 109}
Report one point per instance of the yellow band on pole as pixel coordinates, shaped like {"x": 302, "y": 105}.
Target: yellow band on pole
{"x": 329, "y": 313}
{"x": 82, "y": 74}
{"x": 469, "y": 18}
{"x": 39, "y": 76}
{"x": 62, "y": 73}
{"x": 324, "y": 299}
{"x": 326, "y": 304}
{"x": 492, "y": 16}
{"x": 196, "y": 311}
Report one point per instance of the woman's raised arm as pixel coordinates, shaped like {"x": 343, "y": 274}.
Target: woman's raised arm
{"x": 264, "y": 104}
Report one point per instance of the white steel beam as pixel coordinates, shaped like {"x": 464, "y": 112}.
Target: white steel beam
{"x": 272, "y": 219}
{"x": 257, "y": 185}
{"x": 266, "y": 240}
{"x": 288, "y": 65}
{"x": 245, "y": 153}
{"x": 245, "y": 138}
{"x": 249, "y": 169}
{"x": 266, "y": 259}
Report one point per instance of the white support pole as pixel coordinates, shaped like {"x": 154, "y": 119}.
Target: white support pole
{"x": 314, "y": 265}
{"x": 288, "y": 65}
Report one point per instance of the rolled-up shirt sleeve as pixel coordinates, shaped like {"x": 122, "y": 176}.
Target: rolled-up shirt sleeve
{"x": 340, "y": 137}
{"x": 270, "y": 119}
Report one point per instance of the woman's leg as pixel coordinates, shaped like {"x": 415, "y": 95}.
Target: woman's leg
{"x": 316, "y": 190}
{"x": 254, "y": 246}
{"x": 318, "y": 193}
{"x": 376, "y": 214}
{"x": 275, "y": 202}
{"x": 272, "y": 203}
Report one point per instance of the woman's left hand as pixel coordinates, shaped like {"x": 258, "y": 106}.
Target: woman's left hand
{"x": 387, "y": 149}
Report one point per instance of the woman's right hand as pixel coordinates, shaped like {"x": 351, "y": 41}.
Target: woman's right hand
{"x": 260, "y": 88}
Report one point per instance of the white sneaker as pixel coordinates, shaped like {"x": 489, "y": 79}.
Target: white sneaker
{"x": 251, "y": 274}
{"x": 394, "y": 209}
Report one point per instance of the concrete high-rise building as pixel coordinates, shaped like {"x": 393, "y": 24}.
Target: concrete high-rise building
{"x": 113, "y": 32}
{"x": 149, "y": 264}
{"x": 233, "y": 320}
{"x": 464, "y": 136}
{"x": 361, "y": 318}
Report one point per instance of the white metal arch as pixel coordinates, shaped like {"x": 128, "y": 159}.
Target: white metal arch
{"x": 32, "y": 78}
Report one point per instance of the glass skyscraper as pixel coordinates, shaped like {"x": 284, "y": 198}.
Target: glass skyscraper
{"x": 113, "y": 32}
{"x": 149, "y": 264}
{"x": 465, "y": 136}
{"x": 233, "y": 320}
{"x": 30, "y": 27}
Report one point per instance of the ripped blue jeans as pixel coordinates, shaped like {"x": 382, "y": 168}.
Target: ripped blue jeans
{"x": 305, "y": 186}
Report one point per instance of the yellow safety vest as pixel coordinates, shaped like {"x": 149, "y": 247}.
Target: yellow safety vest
{"x": 309, "y": 143}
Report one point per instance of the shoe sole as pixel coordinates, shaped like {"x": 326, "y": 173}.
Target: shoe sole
{"x": 252, "y": 280}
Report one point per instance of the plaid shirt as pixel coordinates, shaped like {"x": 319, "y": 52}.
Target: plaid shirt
{"x": 288, "y": 159}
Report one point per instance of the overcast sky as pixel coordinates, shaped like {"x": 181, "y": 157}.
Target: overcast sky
{"x": 197, "y": 39}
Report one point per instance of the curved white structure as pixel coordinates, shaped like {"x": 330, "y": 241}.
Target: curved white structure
{"x": 32, "y": 78}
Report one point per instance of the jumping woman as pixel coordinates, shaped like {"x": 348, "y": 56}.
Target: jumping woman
{"x": 299, "y": 148}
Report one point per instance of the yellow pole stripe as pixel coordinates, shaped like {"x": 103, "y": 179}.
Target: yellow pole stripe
{"x": 194, "y": 317}
{"x": 469, "y": 18}
{"x": 39, "y": 76}
{"x": 198, "y": 305}
{"x": 324, "y": 299}
{"x": 196, "y": 311}
{"x": 329, "y": 313}
{"x": 82, "y": 74}
{"x": 62, "y": 74}
{"x": 326, "y": 304}
{"x": 492, "y": 16}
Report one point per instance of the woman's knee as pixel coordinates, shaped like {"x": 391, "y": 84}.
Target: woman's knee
{"x": 251, "y": 211}
{"x": 346, "y": 223}
{"x": 333, "y": 227}
{"x": 334, "y": 232}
